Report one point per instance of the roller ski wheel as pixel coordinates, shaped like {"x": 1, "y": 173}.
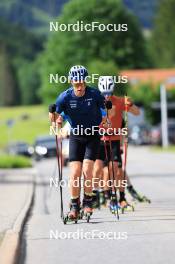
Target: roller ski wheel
{"x": 142, "y": 199}
{"x": 125, "y": 206}
{"x": 114, "y": 207}
{"x": 114, "y": 210}
{"x": 137, "y": 197}
{"x": 74, "y": 214}
{"x": 88, "y": 216}
{"x": 81, "y": 214}
{"x": 67, "y": 219}
{"x": 87, "y": 207}
{"x": 130, "y": 208}
{"x": 70, "y": 218}
{"x": 87, "y": 213}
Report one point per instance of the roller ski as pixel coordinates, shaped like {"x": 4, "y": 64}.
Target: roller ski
{"x": 145, "y": 199}
{"x": 74, "y": 214}
{"x": 99, "y": 199}
{"x": 102, "y": 198}
{"x": 95, "y": 200}
{"x": 136, "y": 196}
{"x": 113, "y": 206}
{"x": 125, "y": 206}
{"x": 87, "y": 208}
{"x": 105, "y": 200}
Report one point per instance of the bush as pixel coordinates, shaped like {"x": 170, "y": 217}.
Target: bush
{"x": 9, "y": 161}
{"x": 91, "y": 48}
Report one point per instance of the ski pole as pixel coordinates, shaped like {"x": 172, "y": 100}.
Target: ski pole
{"x": 112, "y": 161}
{"x": 126, "y": 136}
{"x": 107, "y": 158}
{"x": 61, "y": 175}
{"x": 52, "y": 109}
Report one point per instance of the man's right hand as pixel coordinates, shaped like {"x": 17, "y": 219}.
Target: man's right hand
{"x": 55, "y": 117}
{"x": 52, "y": 117}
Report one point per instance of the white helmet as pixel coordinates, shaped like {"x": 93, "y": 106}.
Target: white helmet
{"x": 78, "y": 73}
{"x": 106, "y": 84}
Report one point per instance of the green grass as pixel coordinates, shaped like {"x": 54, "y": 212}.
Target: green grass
{"x": 23, "y": 130}
{"x": 160, "y": 149}
{"x": 9, "y": 162}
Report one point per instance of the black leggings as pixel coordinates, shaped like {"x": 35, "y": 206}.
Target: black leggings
{"x": 83, "y": 147}
{"x": 115, "y": 144}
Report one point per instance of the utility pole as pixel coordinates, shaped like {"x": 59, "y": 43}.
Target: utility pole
{"x": 164, "y": 117}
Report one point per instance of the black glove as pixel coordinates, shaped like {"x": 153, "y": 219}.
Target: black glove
{"x": 108, "y": 104}
{"x": 52, "y": 108}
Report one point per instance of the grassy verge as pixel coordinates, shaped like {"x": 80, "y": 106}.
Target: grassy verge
{"x": 23, "y": 129}
{"x": 9, "y": 162}
{"x": 160, "y": 149}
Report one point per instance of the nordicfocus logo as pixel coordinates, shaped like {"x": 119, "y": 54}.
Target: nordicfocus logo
{"x": 94, "y": 130}
{"x": 80, "y": 26}
{"x": 55, "y": 78}
{"x": 93, "y": 234}
{"x": 56, "y": 183}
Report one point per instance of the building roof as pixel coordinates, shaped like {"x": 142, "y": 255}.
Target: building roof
{"x": 154, "y": 76}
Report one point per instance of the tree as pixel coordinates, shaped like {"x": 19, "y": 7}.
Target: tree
{"x": 64, "y": 49}
{"x": 18, "y": 46}
{"x": 7, "y": 82}
{"x": 28, "y": 80}
{"x": 164, "y": 34}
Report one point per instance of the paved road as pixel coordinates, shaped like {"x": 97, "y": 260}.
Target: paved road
{"x": 145, "y": 236}
{"x": 15, "y": 186}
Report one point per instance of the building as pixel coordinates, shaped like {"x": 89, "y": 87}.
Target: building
{"x": 151, "y": 76}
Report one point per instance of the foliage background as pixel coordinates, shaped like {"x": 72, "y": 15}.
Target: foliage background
{"x": 29, "y": 52}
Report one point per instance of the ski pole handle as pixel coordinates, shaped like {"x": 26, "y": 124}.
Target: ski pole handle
{"x": 52, "y": 111}
{"x": 52, "y": 108}
{"x": 108, "y": 105}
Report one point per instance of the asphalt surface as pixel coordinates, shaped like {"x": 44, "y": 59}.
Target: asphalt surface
{"x": 14, "y": 189}
{"x": 145, "y": 236}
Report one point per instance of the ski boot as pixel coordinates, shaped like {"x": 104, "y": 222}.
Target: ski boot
{"x": 113, "y": 205}
{"x": 74, "y": 213}
{"x": 87, "y": 207}
{"x": 107, "y": 197}
{"x": 125, "y": 206}
{"x": 145, "y": 199}
{"x": 95, "y": 200}
{"x": 137, "y": 196}
{"x": 102, "y": 199}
